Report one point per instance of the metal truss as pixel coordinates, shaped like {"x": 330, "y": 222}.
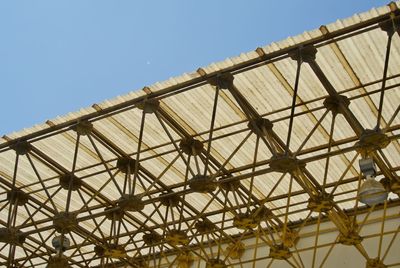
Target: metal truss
{"x": 239, "y": 188}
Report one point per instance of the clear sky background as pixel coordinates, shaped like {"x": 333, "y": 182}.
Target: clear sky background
{"x": 60, "y": 56}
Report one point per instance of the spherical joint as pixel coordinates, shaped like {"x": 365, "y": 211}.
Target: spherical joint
{"x": 204, "y": 226}
{"x": 126, "y": 165}
{"x": 177, "y": 237}
{"x": 203, "y": 184}
{"x": 223, "y": 81}
{"x": 335, "y": 103}
{"x": 99, "y": 250}
{"x": 216, "y": 263}
{"x": 260, "y": 126}
{"x": 279, "y": 252}
{"x": 285, "y": 163}
{"x": 169, "y": 199}
{"x": 114, "y": 213}
{"x": 58, "y": 261}
{"x": 191, "y": 146}
{"x": 70, "y": 180}
{"x": 375, "y": 263}
{"x": 244, "y": 221}
{"x": 390, "y": 26}
{"x": 262, "y": 213}
{"x": 350, "y": 239}
{"x": 306, "y": 54}
{"x": 320, "y": 203}
{"x": 372, "y": 140}
{"x": 12, "y": 236}
{"x": 113, "y": 251}
{"x": 22, "y": 147}
{"x": 152, "y": 238}
{"x": 83, "y": 128}
{"x": 149, "y": 106}
{"x": 228, "y": 184}
{"x": 65, "y": 222}
{"x": 17, "y": 197}
{"x": 130, "y": 203}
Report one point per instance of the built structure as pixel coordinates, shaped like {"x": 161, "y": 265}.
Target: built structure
{"x": 249, "y": 162}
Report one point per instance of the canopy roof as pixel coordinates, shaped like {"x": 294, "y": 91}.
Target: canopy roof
{"x": 249, "y": 151}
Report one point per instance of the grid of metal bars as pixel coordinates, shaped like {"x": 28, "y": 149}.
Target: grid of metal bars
{"x": 209, "y": 171}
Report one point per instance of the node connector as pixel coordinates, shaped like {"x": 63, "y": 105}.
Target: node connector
{"x": 223, "y": 81}
{"x": 372, "y": 140}
{"x": 152, "y": 238}
{"x": 191, "y": 146}
{"x": 83, "y": 128}
{"x": 130, "y": 203}
{"x": 65, "y": 222}
{"x": 260, "y": 126}
{"x": 320, "y": 203}
{"x": 335, "y": 104}
{"x": 112, "y": 251}
{"x": 279, "y": 252}
{"x": 70, "y": 180}
{"x": 203, "y": 184}
{"x": 205, "y": 226}
{"x": 177, "y": 237}
{"x": 149, "y": 106}
{"x": 12, "y": 236}
{"x": 245, "y": 221}
{"x": 126, "y": 165}
{"x": 169, "y": 199}
{"x": 228, "y": 184}
{"x": 114, "y": 213}
{"x": 350, "y": 239}
{"x": 215, "y": 263}
{"x": 284, "y": 163}
{"x": 58, "y": 261}
{"x": 17, "y": 197}
{"x": 375, "y": 263}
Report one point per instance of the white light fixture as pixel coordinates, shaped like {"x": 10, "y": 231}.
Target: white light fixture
{"x": 371, "y": 191}
{"x": 60, "y": 244}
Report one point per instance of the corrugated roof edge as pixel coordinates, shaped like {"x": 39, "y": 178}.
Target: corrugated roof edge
{"x": 190, "y": 78}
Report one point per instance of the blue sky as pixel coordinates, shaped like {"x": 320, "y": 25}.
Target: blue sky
{"x": 59, "y": 56}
